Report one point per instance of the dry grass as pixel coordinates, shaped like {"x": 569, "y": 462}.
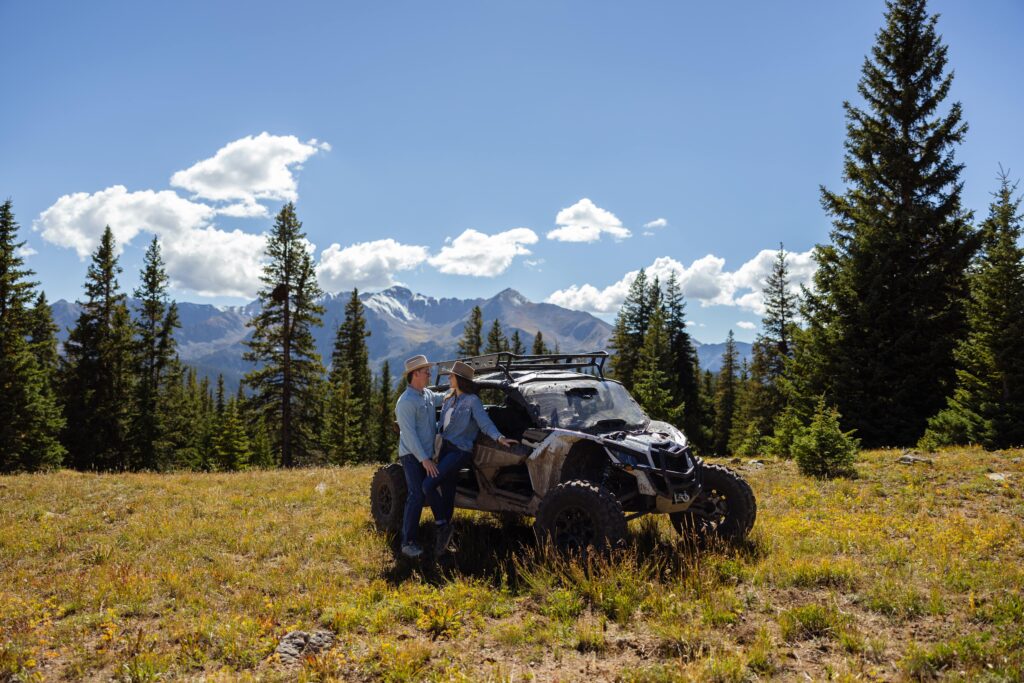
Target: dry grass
{"x": 906, "y": 572}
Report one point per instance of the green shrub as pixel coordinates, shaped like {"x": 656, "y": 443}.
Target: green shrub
{"x": 823, "y": 449}
{"x": 788, "y": 426}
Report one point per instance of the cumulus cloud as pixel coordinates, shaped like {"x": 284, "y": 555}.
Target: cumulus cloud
{"x": 656, "y": 223}
{"x": 705, "y": 280}
{"x": 586, "y": 222}
{"x": 214, "y": 262}
{"x": 367, "y": 264}
{"x": 76, "y": 221}
{"x": 481, "y": 255}
{"x": 252, "y": 168}
{"x": 25, "y": 252}
{"x": 746, "y": 325}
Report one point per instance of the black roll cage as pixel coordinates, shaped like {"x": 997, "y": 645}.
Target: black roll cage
{"x": 506, "y": 363}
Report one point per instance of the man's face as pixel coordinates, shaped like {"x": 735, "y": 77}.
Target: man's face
{"x": 420, "y": 378}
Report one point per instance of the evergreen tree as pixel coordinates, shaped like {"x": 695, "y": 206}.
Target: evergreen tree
{"x": 823, "y": 449}
{"x": 496, "y": 339}
{"x": 30, "y": 418}
{"x": 652, "y": 385}
{"x": 42, "y": 335}
{"x": 231, "y": 443}
{"x": 98, "y": 370}
{"x": 387, "y": 441}
{"x": 886, "y": 310}
{"x": 725, "y": 397}
{"x": 516, "y": 345}
{"x": 155, "y": 357}
{"x": 219, "y": 403}
{"x": 630, "y": 330}
{"x": 683, "y": 370}
{"x": 350, "y": 404}
{"x": 539, "y": 347}
{"x": 708, "y": 391}
{"x": 987, "y": 406}
{"x": 472, "y": 339}
{"x": 283, "y": 339}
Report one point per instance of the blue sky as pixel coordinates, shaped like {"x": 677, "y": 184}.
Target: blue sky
{"x": 434, "y": 144}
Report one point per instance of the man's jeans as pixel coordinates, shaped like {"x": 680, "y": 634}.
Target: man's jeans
{"x": 439, "y": 491}
{"x": 414, "y": 476}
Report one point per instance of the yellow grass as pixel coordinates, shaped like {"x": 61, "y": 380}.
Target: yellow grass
{"x": 906, "y": 572}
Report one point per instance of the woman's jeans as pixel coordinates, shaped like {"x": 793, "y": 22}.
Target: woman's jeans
{"x": 438, "y": 492}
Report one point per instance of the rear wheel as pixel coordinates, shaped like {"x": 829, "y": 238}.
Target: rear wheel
{"x": 387, "y": 497}
{"x": 725, "y": 508}
{"x": 578, "y": 514}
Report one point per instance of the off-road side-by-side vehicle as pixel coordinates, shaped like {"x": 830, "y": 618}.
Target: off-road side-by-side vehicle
{"x": 589, "y": 461}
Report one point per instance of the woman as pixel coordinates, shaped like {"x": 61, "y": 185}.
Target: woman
{"x": 462, "y": 418}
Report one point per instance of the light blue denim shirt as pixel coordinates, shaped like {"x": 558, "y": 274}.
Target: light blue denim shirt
{"x": 417, "y": 422}
{"x": 468, "y": 417}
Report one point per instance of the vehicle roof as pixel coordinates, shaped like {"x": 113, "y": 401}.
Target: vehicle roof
{"x": 497, "y": 377}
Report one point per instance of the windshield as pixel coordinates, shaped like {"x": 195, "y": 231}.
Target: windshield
{"x": 584, "y": 406}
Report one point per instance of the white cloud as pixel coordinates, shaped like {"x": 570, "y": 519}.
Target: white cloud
{"x": 252, "y": 168}
{"x": 25, "y": 252}
{"x": 243, "y": 210}
{"x": 746, "y": 325}
{"x": 214, "y": 262}
{"x": 367, "y": 265}
{"x": 585, "y": 222}
{"x": 705, "y": 281}
{"x": 481, "y": 255}
{"x": 656, "y": 223}
{"x": 76, "y": 221}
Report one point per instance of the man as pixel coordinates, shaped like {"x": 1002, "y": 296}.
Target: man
{"x": 417, "y": 422}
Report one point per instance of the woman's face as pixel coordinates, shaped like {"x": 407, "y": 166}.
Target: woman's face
{"x": 454, "y": 381}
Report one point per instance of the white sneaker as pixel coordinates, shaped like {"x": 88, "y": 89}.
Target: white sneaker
{"x": 412, "y": 550}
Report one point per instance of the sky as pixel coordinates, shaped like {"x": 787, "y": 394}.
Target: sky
{"x": 459, "y": 148}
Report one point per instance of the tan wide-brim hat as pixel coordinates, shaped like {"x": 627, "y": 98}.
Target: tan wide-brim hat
{"x": 460, "y": 369}
{"x": 417, "y": 362}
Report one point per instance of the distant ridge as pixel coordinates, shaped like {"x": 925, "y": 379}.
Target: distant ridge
{"x": 401, "y": 323}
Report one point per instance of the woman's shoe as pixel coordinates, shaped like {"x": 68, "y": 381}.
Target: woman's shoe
{"x": 443, "y": 542}
{"x": 412, "y": 550}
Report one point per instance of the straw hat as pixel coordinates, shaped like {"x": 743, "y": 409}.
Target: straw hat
{"x": 416, "y": 362}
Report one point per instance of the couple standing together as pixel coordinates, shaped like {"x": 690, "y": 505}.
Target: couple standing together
{"x": 431, "y": 472}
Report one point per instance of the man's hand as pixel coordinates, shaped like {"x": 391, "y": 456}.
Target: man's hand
{"x": 430, "y": 467}
{"x": 507, "y": 442}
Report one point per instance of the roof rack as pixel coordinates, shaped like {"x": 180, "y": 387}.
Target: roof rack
{"x": 506, "y": 362}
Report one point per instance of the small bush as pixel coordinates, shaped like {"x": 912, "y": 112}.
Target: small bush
{"x": 823, "y": 449}
{"x": 809, "y": 621}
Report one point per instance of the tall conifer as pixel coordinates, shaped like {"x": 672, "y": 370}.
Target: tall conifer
{"x": 472, "y": 335}
{"x": 283, "y": 339}
{"x": 725, "y": 397}
{"x": 496, "y": 339}
{"x": 886, "y": 310}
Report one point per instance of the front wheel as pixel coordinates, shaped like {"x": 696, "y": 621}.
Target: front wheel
{"x": 725, "y": 508}
{"x": 387, "y": 497}
{"x": 579, "y": 514}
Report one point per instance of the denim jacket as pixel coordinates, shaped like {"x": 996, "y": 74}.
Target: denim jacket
{"x": 416, "y": 422}
{"x": 468, "y": 417}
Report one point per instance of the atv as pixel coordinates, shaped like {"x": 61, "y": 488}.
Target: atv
{"x": 588, "y": 459}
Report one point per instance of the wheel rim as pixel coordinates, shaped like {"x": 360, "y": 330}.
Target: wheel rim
{"x": 574, "y": 528}
{"x": 711, "y": 512}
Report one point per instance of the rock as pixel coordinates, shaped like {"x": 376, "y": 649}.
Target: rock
{"x": 757, "y": 462}
{"x": 298, "y": 644}
{"x": 910, "y": 457}
{"x": 997, "y": 476}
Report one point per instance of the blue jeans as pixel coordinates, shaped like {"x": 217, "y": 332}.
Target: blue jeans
{"x": 439, "y": 491}
{"x": 414, "y": 476}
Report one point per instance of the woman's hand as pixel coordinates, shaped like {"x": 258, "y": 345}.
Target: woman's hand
{"x": 430, "y": 466}
{"x": 505, "y": 441}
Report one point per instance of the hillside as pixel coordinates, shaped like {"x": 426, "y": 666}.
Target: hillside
{"x": 401, "y": 324}
{"x": 905, "y": 572}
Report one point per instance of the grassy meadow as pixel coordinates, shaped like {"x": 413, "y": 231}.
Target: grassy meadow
{"x": 905, "y": 572}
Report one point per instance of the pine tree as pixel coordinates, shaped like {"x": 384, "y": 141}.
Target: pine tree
{"x": 283, "y": 339}
{"x": 516, "y": 345}
{"x": 725, "y": 397}
{"x": 98, "y": 370}
{"x": 42, "y": 335}
{"x": 496, "y": 339}
{"x": 683, "y": 370}
{"x": 472, "y": 339}
{"x": 886, "y": 309}
{"x": 652, "y": 386}
{"x": 231, "y": 443}
{"x": 630, "y": 330}
{"x": 351, "y": 388}
{"x": 539, "y": 347}
{"x": 30, "y": 418}
{"x": 987, "y": 406}
{"x": 387, "y": 441}
{"x": 155, "y": 354}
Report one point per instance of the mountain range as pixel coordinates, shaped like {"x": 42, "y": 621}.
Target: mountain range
{"x": 401, "y": 324}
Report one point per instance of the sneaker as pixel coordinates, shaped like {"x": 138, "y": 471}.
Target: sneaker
{"x": 412, "y": 550}
{"x": 443, "y": 543}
